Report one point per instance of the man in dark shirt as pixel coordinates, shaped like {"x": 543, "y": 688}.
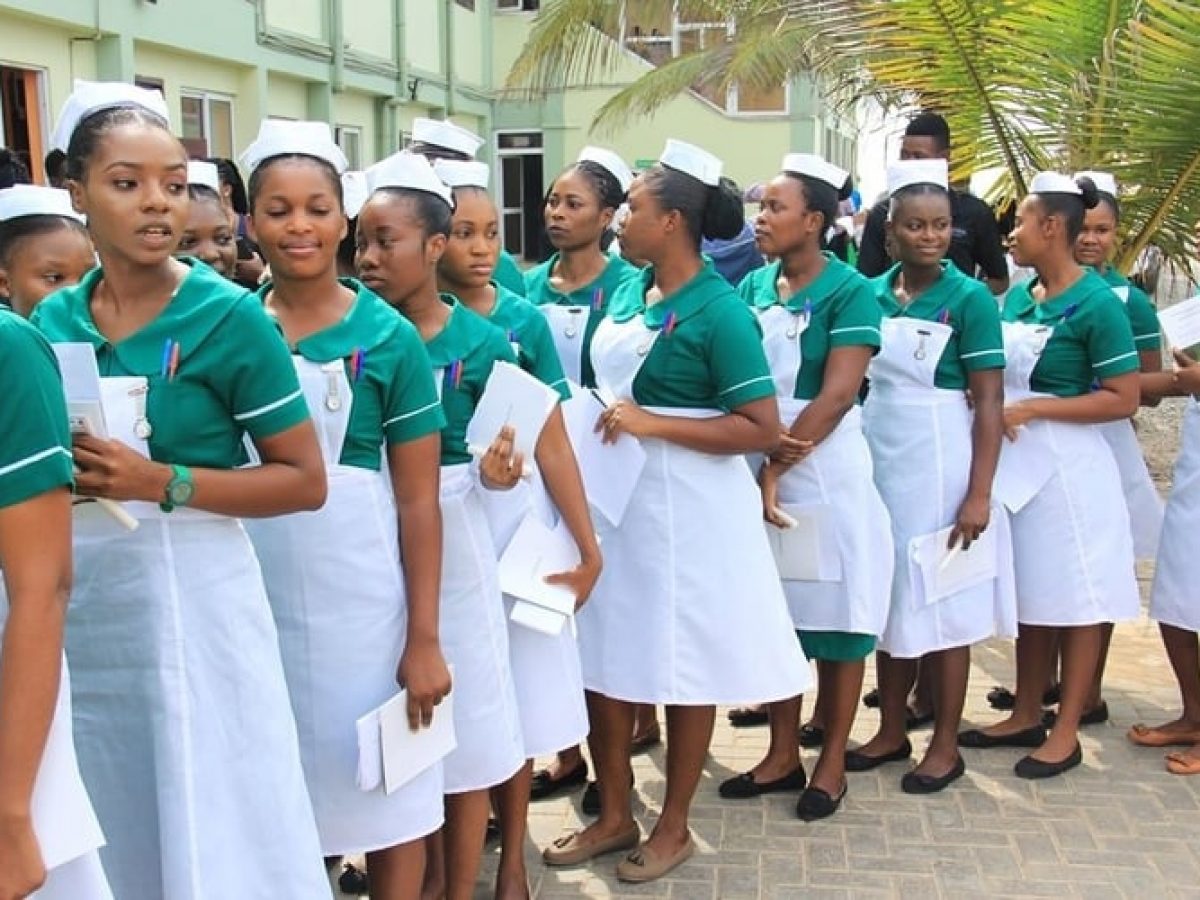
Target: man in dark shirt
{"x": 975, "y": 244}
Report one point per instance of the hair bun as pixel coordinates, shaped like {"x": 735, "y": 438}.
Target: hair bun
{"x": 1088, "y": 192}
{"x": 846, "y": 189}
{"x": 724, "y": 216}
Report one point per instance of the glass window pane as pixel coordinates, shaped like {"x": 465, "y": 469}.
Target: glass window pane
{"x": 513, "y": 240}
{"x": 220, "y": 120}
{"x": 511, "y": 171}
{"x": 192, "y": 125}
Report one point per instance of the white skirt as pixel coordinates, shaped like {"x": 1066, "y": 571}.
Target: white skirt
{"x": 837, "y": 476}
{"x": 337, "y": 594}
{"x": 1072, "y": 548}
{"x": 1175, "y": 596}
{"x": 689, "y": 609}
{"x": 184, "y": 730}
{"x": 920, "y": 442}
{"x": 475, "y": 642}
{"x": 1141, "y": 496}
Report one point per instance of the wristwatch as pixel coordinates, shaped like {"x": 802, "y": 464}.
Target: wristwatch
{"x": 179, "y": 490}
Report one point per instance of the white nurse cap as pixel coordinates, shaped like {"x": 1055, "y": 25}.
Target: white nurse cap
{"x": 408, "y": 171}
{"x": 1053, "y": 183}
{"x": 92, "y": 96}
{"x": 204, "y": 174}
{"x": 692, "y": 160}
{"x": 35, "y": 200}
{"x": 445, "y": 134}
{"x": 461, "y": 173}
{"x": 609, "y": 161}
{"x": 277, "y": 137}
{"x": 907, "y": 172}
{"x": 355, "y": 193}
{"x": 1103, "y": 181}
{"x": 815, "y": 167}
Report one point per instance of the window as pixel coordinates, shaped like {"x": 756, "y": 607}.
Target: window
{"x": 349, "y": 138}
{"x": 207, "y": 124}
{"x": 466, "y": 4}
{"x": 518, "y": 5}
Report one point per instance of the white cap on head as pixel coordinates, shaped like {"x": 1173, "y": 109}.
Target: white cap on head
{"x": 459, "y": 173}
{"x": 1104, "y": 181}
{"x": 410, "y": 172}
{"x": 204, "y": 173}
{"x": 35, "y": 200}
{"x": 445, "y": 134}
{"x": 815, "y": 167}
{"x": 92, "y": 96}
{"x": 611, "y": 162}
{"x": 354, "y": 193}
{"x": 1053, "y": 183}
{"x": 277, "y": 137}
{"x": 907, "y": 172}
{"x": 692, "y": 160}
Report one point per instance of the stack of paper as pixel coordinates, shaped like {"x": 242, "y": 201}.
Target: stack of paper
{"x": 534, "y": 552}
{"x": 81, "y": 385}
{"x": 1181, "y": 324}
{"x": 1025, "y": 466}
{"x": 392, "y": 753}
{"x": 946, "y": 571}
{"x": 610, "y": 471}
{"x": 512, "y": 397}
{"x": 807, "y": 549}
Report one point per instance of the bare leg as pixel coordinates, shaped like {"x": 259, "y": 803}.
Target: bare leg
{"x": 1183, "y": 652}
{"x": 947, "y": 671}
{"x": 512, "y": 807}
{"x": 463, "y": 834}
{"x": 783, "y": 753}
{"x": 1035, "y": 649}
{"x": 1095, "y": 695}
{"x": 689, "y": 732}
{"x": 434, "y": 886}
{"x": 1080, "y": 654}
{"x": 612, "y": 724}
{"x": 817, "y": 719}
{"x": 645, "y": 721}
{"x": 923, "y": 697}
{"x": 397, "y": 873}
{"x": 895, "y": 678}
{"x": 839, "y": 683}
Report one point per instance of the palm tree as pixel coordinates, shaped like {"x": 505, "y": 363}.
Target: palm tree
{"x": 1025, "y": 84}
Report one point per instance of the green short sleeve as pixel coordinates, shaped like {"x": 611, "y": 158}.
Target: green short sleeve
{"x": 256, "y": 375}
{"x": 736, "y": 359}
{"x": 980, "y": 340}
{"x": 1143, "y": 319}
{"x": 35, "y": 454}
{"x": 509, "y": 274}
{"x": 1109, "y": 340}
{"x": 856, "y": 318}
{"x": 411, "y": 408}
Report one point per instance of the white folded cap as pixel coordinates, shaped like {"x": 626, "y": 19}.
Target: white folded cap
{"x": 1103, "y": 181}
{"x": 611, "y": 162}
{"x": 410, "y": 172}
{"x": 459, "y": 173}
{"x": 1053, "y": 183}
{"x": 35, "y": 200}
{"x": 355, "y": 193}
{"x": 692, "y": 160}
{"x": 445, "y": 134}
{"x": 204, "y": 173}
{"x": 277, "y": 137}
{"x": 92, "y": 96}
{"x": 907, "y": 172}
{"x": 815, "y": 167}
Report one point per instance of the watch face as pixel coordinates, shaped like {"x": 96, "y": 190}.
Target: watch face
{"x": 181, "y": 492}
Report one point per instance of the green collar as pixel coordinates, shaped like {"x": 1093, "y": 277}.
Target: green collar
{"x": 590, "y": 289}
{"x": 927, "y": 305}
{"x": 705, "y": 286}
{"x": 831, "y": 280}
{"x": 1056, "y": 309}
{"x": 463, "y": 334}
{"x": 368, "y": 323}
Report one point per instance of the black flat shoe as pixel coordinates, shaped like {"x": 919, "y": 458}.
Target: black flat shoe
{"x": 857, "y": 761}
{"x": 747, "y": 716}
{"x": 811, "y": 736}
{"x": 743, "y": 787}
{"x": 1096, "y": 716}
{"x": 914, "y": 783}
{"x": 492, "y": 834}
{"x": 589, "y": 805}
{"x": 1028, "y": 767}
{"x": 1034, "y": 736}
{"x": 1003, "y": 699}
{"x": 815, "y": 804}
{"x": 915, "y": 719}
{"x": 353, "y": 881}
{"x": 543, "y": 787}
{"x": 871, "y": 699}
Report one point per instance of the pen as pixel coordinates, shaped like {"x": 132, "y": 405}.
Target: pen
{"x": 669, "y": 325}
{"x": 174, "y": 364}
{"x": 166, "y": 358}
{"x": 597, "y": 299}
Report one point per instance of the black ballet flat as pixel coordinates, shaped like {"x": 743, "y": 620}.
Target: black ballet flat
{"x": 811, "y": 736}
{"x": 857, "y": 761}
{"x": 747, "y": 716}
{"x": 1031, "y": 768}
{"x": 871, "y": 699}
{"x": 744, "y": 787}
{"x": 353, "y": 881}
{"x": 589, "y": 804}
{"x": 816, "y": 804}
{"x": 543, "y": 787}
{"x": 914, "y": 783}
{"x": 976, "y": 739}
{"x": 1096, "y": 716}
{"x": 1003, "y": 699}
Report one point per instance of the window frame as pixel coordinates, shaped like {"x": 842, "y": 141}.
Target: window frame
{"x": 206, "y": 99}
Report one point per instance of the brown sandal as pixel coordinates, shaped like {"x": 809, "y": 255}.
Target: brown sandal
{"x": 643, "y": 865}
{"x": 569, "y": 850}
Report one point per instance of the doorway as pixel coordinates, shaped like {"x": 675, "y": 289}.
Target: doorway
{"x": 521, "y": 193}
{"x": 21, "y": 118}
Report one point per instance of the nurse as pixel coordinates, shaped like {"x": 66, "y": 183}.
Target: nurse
{"x": 370, "y": 391}
{"x": 44, "y": 245}
{"x": 935, "y": 458}
{"x": 1072, "y": 548}
{"x": 575, "y": 285}
{"x": 209, "y": 234}
{"x": 689, "y": 611}
{"x": 48, "y": 833}
{"x": 546, "y": 670}
{"x": 820, "y": 325}
{"x": 182, "y": 721}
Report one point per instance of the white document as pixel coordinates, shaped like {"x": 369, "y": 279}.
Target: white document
{"x": 511, "y": 397}
{"x": 1181, "y": 323}
{"x": 945, "y": 571}
{"x": 807, "y": 550}
{"x": 391, "y": 753}
{"x": 81, "y": 385}
{"x": 1025, "y": 466}
{"x": 610, "y": 472}
{"x": 534, "y": 552}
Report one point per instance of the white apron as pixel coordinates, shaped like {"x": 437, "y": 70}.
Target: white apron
{"x": 1142, "y": 498}
{"x": 1175, "y": 596}
{"x": 568, "y": 327}
{"x": 920, "y": 440}
{"x": 474, "y": 639}
{"x": 836, "y": 479}
{"x": 63, "y": 820}
{"x": 689, "y": 608}
{"x": 182, "y": 722}
{"x": 337, "y": 594}
{"x": 1072, "y": 548}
